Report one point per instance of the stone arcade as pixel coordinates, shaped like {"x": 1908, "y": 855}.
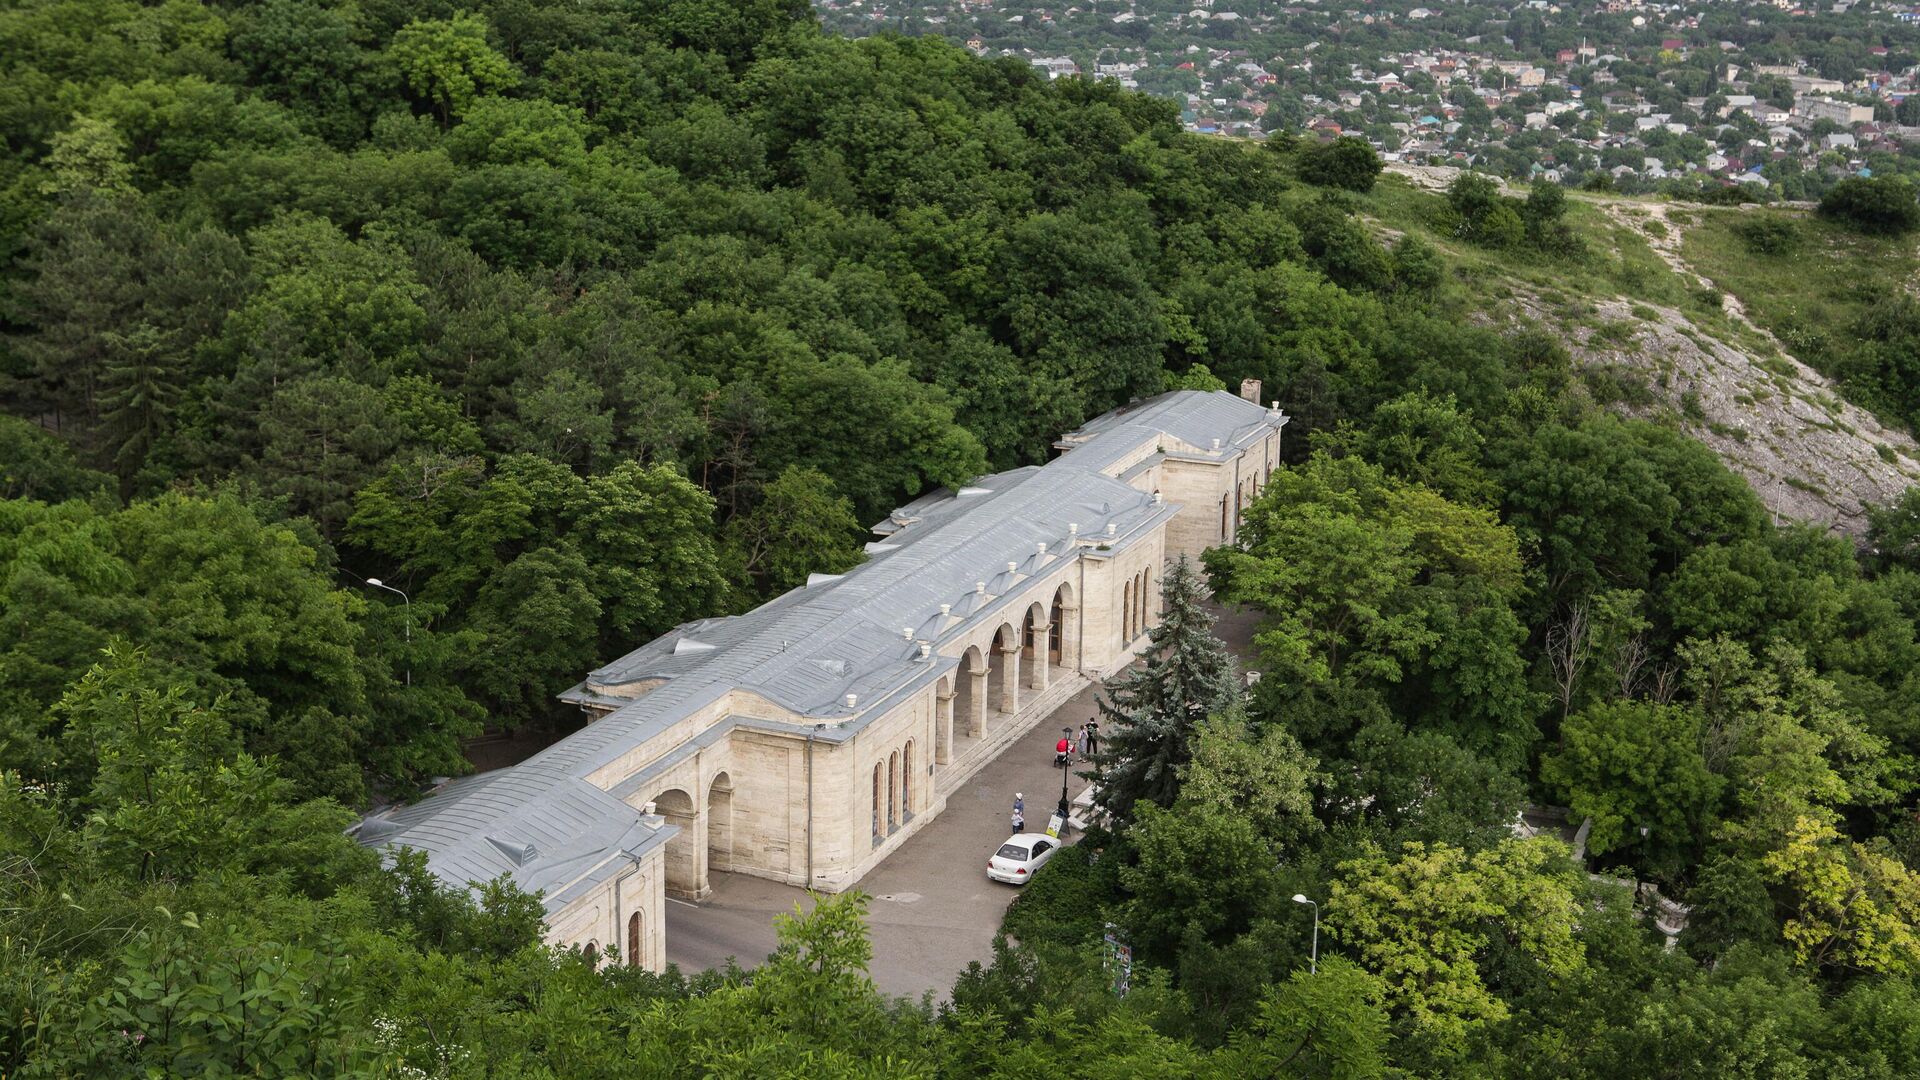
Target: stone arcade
{"x": 806, "y": 740}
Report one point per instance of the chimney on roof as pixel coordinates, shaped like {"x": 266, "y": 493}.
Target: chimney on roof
{"x": 1012, "y": 566}
{"x": 1250, "y": 389}
{"x": 853, "y": 700}
{"x": 1216, "y": 446}
{"x": 1040, "y": 549}
{"x": 1112, "y": 528}
{"x": 906, "y": 633}
{"x": 1073, "y": 529}
{"x": 980, "y": 588}
{"x": 926, "y": 650}
{"x": 946, "y": 609}
{"x": 649, "y": 809}
{"x": 1158, "y": 498}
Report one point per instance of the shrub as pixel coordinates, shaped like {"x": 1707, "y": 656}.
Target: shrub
{"x": 1064, "y": 905}
{"x": 1499, "y": 227}
{"x": 1728, "y": 195}
{"x": 1346, "y": 162}
{"x": 1881, "y": 205}
{"x": 1416, "y": 265}
{"x": 1768, "y": 234}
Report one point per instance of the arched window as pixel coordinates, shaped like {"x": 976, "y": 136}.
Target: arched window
{"x": 1126, "y": 613}
{"x": 893, "y": 791}
{"x": 906, "y": 780}
{"x": 633, "y": 940}
{"x": 877, "y": 834}
{"x": 592, "y": 953}
{"x": 1223, "y": 516}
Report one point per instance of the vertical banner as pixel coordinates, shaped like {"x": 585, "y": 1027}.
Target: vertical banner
{"x": 1118, "y": 962}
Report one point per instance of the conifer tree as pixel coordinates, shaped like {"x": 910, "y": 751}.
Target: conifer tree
{"x": 1149, "y": 712}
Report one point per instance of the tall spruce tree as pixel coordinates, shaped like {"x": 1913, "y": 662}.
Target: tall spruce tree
{"x": 1149, "y": 712}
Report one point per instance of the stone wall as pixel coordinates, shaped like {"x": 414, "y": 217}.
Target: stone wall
{"x": 602, "y": 917}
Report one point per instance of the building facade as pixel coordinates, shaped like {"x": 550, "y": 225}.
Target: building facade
{"x": 806, "y": 740}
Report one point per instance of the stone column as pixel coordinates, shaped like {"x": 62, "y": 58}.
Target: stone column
{"x": 1070, "y": 637}
{"x": 1037, "y": 678}
{"x": 1010, "y": 681}
{"x": 977, "y": 706}
{"x": 943, "y": 727}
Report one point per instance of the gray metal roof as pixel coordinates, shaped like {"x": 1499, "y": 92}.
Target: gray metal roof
{"x": 1190, "y": 417}
{"x": 808, "y": 649}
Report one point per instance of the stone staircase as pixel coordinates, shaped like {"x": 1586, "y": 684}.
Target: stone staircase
{"x": 1060, "y": 690}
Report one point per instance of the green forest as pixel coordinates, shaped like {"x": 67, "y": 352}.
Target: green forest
{"x": 567, "y": 323}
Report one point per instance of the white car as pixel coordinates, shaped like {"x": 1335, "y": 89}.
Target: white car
{"x": 1021, "y": 857}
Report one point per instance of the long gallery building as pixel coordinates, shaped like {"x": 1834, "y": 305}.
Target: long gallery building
{"x": 805, "y": 740}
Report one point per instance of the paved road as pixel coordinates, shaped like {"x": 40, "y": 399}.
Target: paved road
{"x": 933, "y": 908}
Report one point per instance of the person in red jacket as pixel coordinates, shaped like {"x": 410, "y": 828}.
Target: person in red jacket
{"x": 1063, "y": 750}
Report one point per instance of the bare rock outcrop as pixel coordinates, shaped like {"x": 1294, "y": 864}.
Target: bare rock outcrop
{"x": 1808, "y": 454}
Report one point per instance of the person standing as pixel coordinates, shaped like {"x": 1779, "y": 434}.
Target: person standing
{"x": 1063, "y": 750}
{"x": 1019, "y": 803}
{"x": 1080, "y": 742}
{"x": 1093, "y": 737}
{"x": 1019, "y": 822}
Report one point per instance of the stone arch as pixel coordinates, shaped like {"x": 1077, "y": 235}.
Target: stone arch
{"x": 1126, "y": 612}
{"x": 879, "y": 830}
{"x": 1064, "y": 636}
{"x": 720, "y": 823}
{"x": 591, "y": 954}
{"x": 634, "y": 926}
{"x": 1034, "y": 652}
{"x": 684, "y": 872}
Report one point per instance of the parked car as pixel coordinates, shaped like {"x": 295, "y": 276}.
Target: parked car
{"x": 1021, "y": 857}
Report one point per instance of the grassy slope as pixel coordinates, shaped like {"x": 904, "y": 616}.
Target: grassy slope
{"x": 1808, "y": 298}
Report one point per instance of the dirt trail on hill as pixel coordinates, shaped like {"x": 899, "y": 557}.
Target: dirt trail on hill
{"x": 1776, "y": 421}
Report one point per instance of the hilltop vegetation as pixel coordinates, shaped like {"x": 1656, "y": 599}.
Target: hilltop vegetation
{"x": 574, "y": 321}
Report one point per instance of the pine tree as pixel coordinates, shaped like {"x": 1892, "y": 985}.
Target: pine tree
{"x": 139, "y": 391}
{"x": 1149, "y": 712}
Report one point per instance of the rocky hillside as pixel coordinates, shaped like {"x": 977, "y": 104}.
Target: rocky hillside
{"x": 1810, "y": 454}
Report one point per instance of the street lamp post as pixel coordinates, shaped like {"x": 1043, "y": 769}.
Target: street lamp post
{"x": 408, "y": 601}
{"x": 1066, "y": 767}
{"x": 1313, "y": 958}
